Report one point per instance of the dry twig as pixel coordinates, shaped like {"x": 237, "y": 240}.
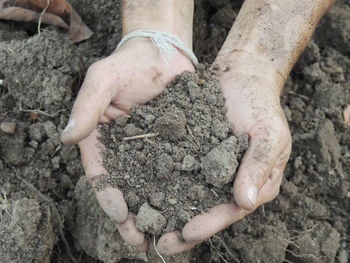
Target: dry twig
{"x": 41, "y": 15}
{"x": 148, "y": 135}
{"x": 37, "y": 111}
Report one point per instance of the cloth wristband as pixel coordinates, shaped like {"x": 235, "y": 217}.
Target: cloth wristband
{"x": 164, "y": 41}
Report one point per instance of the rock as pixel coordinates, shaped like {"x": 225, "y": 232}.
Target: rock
{"x": 194, "y": 90}
{"x": 189, "y": 163}
{"x": 326, "y": 146}
{"x": 157, "y": 199}
{"x": 197, "y": 192}
{"x": 36, "y": 131}
{"x": 343, "y": 256}
{"x": 131, "y": 130}
{"x": 318, "y": 245}
{"x": 8, "y": 127}
{"x": 220, "y": 164}
{"x": 165, "y": 165}
{"x": 95, "y": 233}
{"x": 28, "y": 233}
{"x": 171, "y": 126}
{"x": 150, "y": 220}
{"x": 12, "y": 151}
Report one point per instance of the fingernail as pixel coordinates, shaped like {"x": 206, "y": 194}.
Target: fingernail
{"x": 69, "y": 126}
{"x": 252, "y": 195}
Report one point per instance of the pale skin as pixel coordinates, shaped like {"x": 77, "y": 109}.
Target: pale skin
{"x": 264, "y": 43}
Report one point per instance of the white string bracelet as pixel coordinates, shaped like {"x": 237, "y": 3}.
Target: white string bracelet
{"x": 164, "y": 41}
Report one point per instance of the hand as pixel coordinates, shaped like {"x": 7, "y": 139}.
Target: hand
{"x": 251, "y": 95}
{"x": 134, "y": 75}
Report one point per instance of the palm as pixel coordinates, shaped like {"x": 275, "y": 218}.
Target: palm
{"x": 134, "y": 75}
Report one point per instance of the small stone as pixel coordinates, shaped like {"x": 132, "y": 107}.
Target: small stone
{"x": 220, "y": 164}
{"x": 197, "y": 192}
{"x": 184, "y": 216}
{"x": 149, "y": 119}
{"x": 165, "y": 166}
{"x": 194, "y": 90}
{"x": 36, "y": 131}
{"x": 133, "y": 200}
{"x": 51, "y": 130}
{"x": 298, "y": 162}
{"x": 343, "y": 256}
{"x": 150, "y": 220}
{"x": 220, "y": 130}
{"x": 131, "y": 130}
{"x": 189, "y": 163}
{"x": 172, "y": 201}
{"x": 157, "y": 199}
{"x": 348, "y": 195}
{"x": 8, "y": 127}
{"x": 122, "y": 121}
{"x": 55, "y": 161}
{"x": 171, "y": 126}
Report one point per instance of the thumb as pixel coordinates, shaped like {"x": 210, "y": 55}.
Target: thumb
{"x": 93, "y": 99}
{"x": 254, "y": 171}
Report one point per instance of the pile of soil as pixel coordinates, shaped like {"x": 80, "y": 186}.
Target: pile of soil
{"x": 185, "y": 160}
{"x": 48, "y": 210}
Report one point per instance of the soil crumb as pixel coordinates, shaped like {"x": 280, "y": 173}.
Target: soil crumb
{"x": 185, "y": 160}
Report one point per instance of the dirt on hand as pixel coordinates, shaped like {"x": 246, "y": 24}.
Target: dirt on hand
{"x": 174, "y": 157}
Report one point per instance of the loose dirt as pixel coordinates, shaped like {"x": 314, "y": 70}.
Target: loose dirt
{"x": 188, "y": 162}
{"x": 48, "y": 209}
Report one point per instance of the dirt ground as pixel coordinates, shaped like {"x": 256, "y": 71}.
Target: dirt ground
{"x": 48, "y": 210}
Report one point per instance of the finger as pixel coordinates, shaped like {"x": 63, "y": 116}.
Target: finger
{"x": 219, "y": 217}
{"x": 170, "y": 244}
{"x": 271, "y": 188}
{"x": 130, "y": 233}
{"x": 93, "y": 98}
{"x": 104, "y": 119}
{"x": 112, "y": 112}
{"x": 143, "y": 247}
{"x": 256, "y": 166}
{"x": 110, "y": 199}
{"x": 207, "y": 224}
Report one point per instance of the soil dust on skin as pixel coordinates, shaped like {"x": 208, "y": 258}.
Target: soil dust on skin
{"x": 48, "y": 209}
{"x": 186, "y": 166}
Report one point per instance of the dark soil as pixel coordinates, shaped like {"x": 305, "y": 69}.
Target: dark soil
{"x": 48, "y": 210}
{"x": 188, "y": 164}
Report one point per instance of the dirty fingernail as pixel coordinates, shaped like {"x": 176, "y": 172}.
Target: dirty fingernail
{"x": 252, "y": 195}
{"x": 112, "y": 202}
{"x": 65, "y": 132}
{"x": 69, "y": 126}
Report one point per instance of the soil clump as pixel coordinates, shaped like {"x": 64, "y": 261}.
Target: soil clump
{"x": 185, "y": 160}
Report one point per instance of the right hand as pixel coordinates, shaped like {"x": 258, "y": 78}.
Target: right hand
{"x": 135, "y": 74}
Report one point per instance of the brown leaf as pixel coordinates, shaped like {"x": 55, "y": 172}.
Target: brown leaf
{"x": 346, "y": 115}
{"x": 55, "y": 12}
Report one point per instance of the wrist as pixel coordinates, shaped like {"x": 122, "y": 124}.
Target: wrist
{"x": 238, "y": 65}
{"x": 173, "y": 16}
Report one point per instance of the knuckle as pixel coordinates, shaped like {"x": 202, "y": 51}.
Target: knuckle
{"x": 96, "y": 67}
{"x": 262, "y": 171}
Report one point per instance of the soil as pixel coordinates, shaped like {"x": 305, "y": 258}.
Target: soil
{"x": 48, "y": 209}
{"x": 187, "y": 164}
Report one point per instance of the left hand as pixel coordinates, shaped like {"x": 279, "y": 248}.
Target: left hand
{"x": 253, "y": 107}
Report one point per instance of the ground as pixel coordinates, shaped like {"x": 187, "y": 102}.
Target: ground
{"x": 48, "y": 209}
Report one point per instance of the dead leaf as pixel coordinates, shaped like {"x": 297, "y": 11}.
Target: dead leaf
{"x": 346, "y": 115}
{"x": 54, "y": 12}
